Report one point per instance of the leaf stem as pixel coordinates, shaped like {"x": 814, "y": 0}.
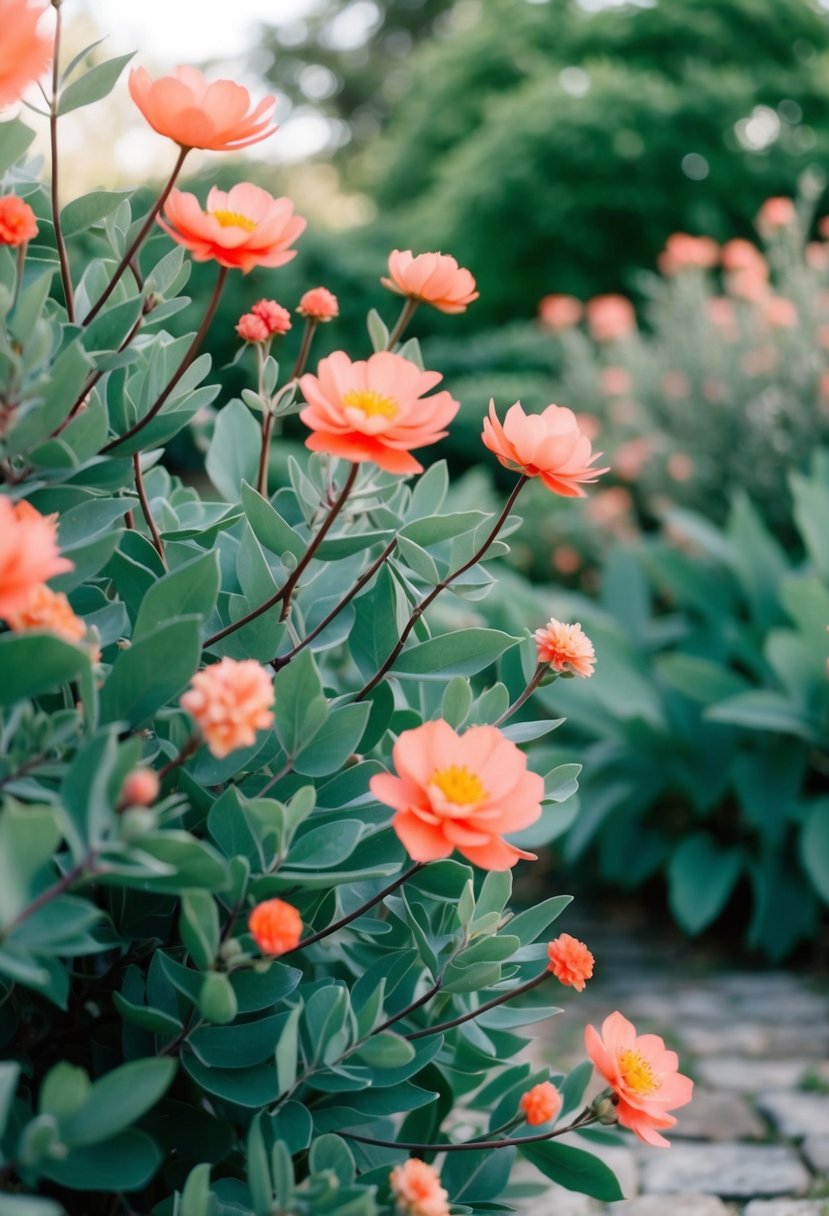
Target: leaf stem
{"x": 145, "y": 508}
{"x": 62, "y": 885}
{"x": 63, "y": 256}
{"x": 408, "y": 311}
{"x": 500, "y": 999}
{"x": 311, "y": 325}
{"x": 363, "y": 908}
{"x": 537, "y": 677}
{"x": 583, "y": 1120}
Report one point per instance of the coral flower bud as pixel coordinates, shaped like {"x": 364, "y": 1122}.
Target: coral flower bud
{"x": 195, "y": 113}
{"x": 320, "y": 304}
{"x": 17, "y": 221}
{"x": 240, "y": 228}
{"x": 416, "y": 1186}
{"x": 566, "y": 648}
{"x": 570, "y": 961}
{"x": 29, "y": 554}
{"x": 776, "y": 213}
{"x": 684, "y": 252}
{"x": 558, "y": 312}
{"x": 49, "y": 610}
{"x": 25, "y": 47}
{"x": 275, "y": 926}
{"x": 251, "y": 328}
{"x": 541, "y": 1104}
{"x": 230, "y": 701}
{"x": 141, "y": 787}
{"x": 550, "y": 445}
{"x": 275, "y": 317}
{"x": 610, "y": 317}
{"x": 431, "y": 278}
{"x": 740, "y": 254}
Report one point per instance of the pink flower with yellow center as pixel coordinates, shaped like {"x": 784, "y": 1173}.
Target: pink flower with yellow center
{"x": 570, "y": 961}
{"x": 230, "y": 701}
{"x": 29, "y": 554}
{"x": 195, "y": 113}
{"x": 17, "y": 221}
{"x": 25, "y": 47}
{"x": 550, "y": 445}
{"x": 240, "y": 228}
{"x": 541, "y": 1104}
{"x": 431, "y": 278}
{"x": 643, "y": 1075}
{"x": 565, "y": 648}
{"x": 460, "y": 792}
{"x": 375, "y": 409}
{"x": 416, "y": 1187}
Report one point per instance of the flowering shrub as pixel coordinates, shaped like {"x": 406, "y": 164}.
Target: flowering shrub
{"x": 233, "y": 980}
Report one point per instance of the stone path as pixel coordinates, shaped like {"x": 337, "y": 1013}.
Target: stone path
{"x": 755, "y": 1139}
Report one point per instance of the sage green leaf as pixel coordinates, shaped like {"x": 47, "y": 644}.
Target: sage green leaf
{"x": 94, "y": 85}
{"x": 453, "y": 654}
{"x": 152, "y": 672}
{"x": 574, "y": 1169}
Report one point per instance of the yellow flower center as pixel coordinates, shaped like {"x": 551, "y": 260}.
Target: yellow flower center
{"x": 459, "y": 785}
{"x": 637, "y": 1073}
{"x": 372, "y": 404}
{"x": 233, "y": 219}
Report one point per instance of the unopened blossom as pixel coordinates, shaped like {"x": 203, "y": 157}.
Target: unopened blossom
{"x": 48, "y": 610}
{"x": 275, "y": 926}
{"x": 416, "y": 1188}
{"x": 685, "y": 252}
{"x": 566, "y": 560}
{"x": 461, "y": 792}
{"x": 141, "y": 787}
{"x": 615, "y": 381}
{"x": 240, "y": 228}
{"x": 251, "y": 328}
{"x": 431, "y": 278}
{"x": 541, "y": 1104}
{"x": 375, "y": 409}
{"x": 559, "y": 312}
{"x": 776, "y": 213}
{"x": 197, "y": 113}
{"x": 680, "y": 466}
{"x": 631, "y": 456}
{"x": 25, "y": 47}
{"x": 276, "y": 318}
{"x": 643, "y": 1075}
{"x": 740, "y": 254}
{"x": 319, "y": 304}
{"x": 565, "y": 648}
{"x": 570, "y": 961}
{"x": 230, "y": 701}
{"x": 29, "y": 554}
{"x": 610, "y": 317}
{"x": 17, "y": 221}
{"x": 780, "y": 312}
{"x": 549, "y": 445}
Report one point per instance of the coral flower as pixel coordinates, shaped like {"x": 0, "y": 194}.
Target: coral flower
{"x": 740, "y": 254}
{"x": 375, "y": 410}
{"x": 25, "y": 47}
{"x": 460, "y": 792}
{"x": 431, "y": 278}
{"x": 275, "y": 926}
{"x": 565, "y": 648}
{"x": 541, "y": 1104}
{"x": 416, "y": 1186}
{"x": 251, "y": 328}
{"x": 49, "y": 610}
{"x": 610, "y": 317}
{"x": 241, "y": 228}
{"x": 615, "y": 381}
{"x": 141, "y": 787}
{"x": 196, "y": 114}
{"x": 684, "y": 252}
{"x": 320, "y": 304}
{"x": 780, "y": 312}
{"x": 558, "y": 312}
{"x": 29, "y": 554}
{"x": 776, "y": 213}
{"x": 570, "y": 961}
{"x": 230, "y": 702}
{"x": 642, "y": 1074}
{"x": 549, "y": 445}
{"x": 277, "y": 318}
{"x": 17, "y": 221}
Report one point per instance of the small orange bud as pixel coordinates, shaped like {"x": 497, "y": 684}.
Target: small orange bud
{"x": 140, "y": 788}
{"x": 541, "y": 1104}
{"x": 319, "y": 304}
{"x": 570, "y": 961}
{"x": 275, "y": 926}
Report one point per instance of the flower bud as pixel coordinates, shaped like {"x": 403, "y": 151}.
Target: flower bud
{"x": 136, "y": 822}
{"x": 320, "y": 304}
{"x": 275, "y": 317}
{"x": 217, "y": 1000}
{"x": 141, "y": 787}
{"x": 603, "y": 1107}
{"x": 251, "y": 328}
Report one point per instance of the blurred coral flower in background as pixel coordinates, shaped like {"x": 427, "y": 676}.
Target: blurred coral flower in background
{"x": 230, "y": 701}
{"x": 550, "y": 445}
{"x": 29, "y": 554}
{"x": 375, "y": 409}
{"x": 25, "y": 47}
{"x": 610, "y": 317}
{"x": 195, "y": 113}
{"x": 416, "y": 1186}
{"x": 240, "y": 228}
{"x": 684, "y": 252}
{"x": 557, "y": 312}
{"x": 275, "y": 926}
{"x": 17, "y": 221}
{"x": 431, "y": 278}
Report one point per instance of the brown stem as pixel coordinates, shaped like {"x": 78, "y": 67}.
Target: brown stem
{"x": 190, "y": 748}
{"x": 276, "y": 778}
{"x": 311, "y": 324}
{"x": 193, "y": 350}
{"x": 129, "y": 520}
{"x": 57, "y": 888}
{"x": 408, "y": 311}
{"x": 584, "y": 1120}
{"x": 286, "y": 591}
{"x": 418, "y": 1004}
{"x": 126, "y": 260}
{"x": 474, "y": 1013}
{"x": 145, "y": 508}
{"x": 63, "y": 256}
{"x": 364, "y": 578}
{"x": 93, "y": 380}
{"x": 366, "y": 907}
{"x": 538, "y": 675}
{"x": 418, "y": 611}
{"x": 262, "y": 475}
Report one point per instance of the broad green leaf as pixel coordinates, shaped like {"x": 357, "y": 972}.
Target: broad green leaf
{"x": 453, "y": 654}
{"x": 701, "y": 877}
{"x": 190, "y": 589}
{"x": 152, "y": 672}
{"x": 33, "y": 663}
{"x": 574, "y": 1169}
{"x": 233, "y": 455}
{"x": 94, "y": 85}
{"x": 814, "y": 846}
{"x": 117, "y": 1100}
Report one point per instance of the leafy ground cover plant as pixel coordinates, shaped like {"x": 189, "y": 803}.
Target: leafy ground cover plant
{"x": 242, "y": 969}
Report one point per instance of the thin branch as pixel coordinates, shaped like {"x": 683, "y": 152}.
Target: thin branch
{"x": 584, "y": 1120}
{"x": 311, "y": 324}
{"x": 363, "y": 908}
{"x": 145, "y": 508}
{"x": 408, "y": 311}
{"x": 500, "y": 999}
{"x": 537, "y": 677}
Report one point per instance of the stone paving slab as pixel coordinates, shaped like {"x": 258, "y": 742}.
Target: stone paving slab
{"x": 732, "y": 1171}
{"x": 787, "y": 1207}
{"x": 680, "y": 1205}
{"x": 754, "y": 1076}
{"x": 796, "y": 1115}
{"x": 713, "y": 1115}
{"x": 816, "y": 1151}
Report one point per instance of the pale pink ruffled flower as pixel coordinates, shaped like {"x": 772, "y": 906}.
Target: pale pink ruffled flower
{"x": 195, "y": 113}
